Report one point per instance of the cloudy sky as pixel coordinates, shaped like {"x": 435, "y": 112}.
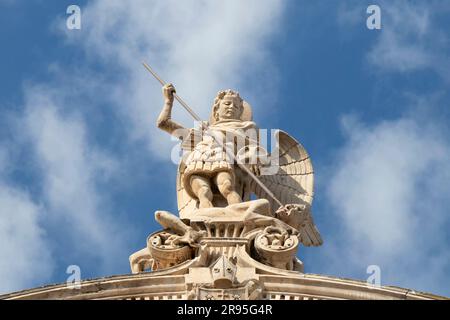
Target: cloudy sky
{"x": 83, "y": 168}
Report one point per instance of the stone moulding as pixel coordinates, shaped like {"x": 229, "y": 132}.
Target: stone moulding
{"x": 159, "y": 286}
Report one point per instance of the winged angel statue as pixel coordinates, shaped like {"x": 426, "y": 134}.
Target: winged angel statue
{"x": 225, "y": 164}
{"x": 229, "y": 187}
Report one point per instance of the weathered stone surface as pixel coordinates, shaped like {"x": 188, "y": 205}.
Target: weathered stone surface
{"x": 223, "y": 240}
{"x": 160, "y": 286}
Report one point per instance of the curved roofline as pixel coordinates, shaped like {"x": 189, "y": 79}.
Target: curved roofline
{"x": 156, "y": 285}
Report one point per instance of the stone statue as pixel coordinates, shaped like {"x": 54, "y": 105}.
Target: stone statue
{"x": 223, "y": 236}
{"x": 208, "y": 166}
{"x": 208, "y": 175}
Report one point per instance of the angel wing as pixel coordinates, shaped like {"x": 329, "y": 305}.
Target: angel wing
{"x": 291, "y": 183}
{"x": 186, "y": 203}
{"x": 309, "y": 235}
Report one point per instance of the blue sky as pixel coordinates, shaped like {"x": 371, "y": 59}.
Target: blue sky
{"x": 83, "y": 168}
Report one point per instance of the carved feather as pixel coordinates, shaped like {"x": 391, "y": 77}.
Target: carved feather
{"x": 294, "y": 181}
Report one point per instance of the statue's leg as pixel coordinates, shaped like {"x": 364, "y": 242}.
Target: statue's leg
{"x": 185, "y": 233}
{"x": 169, "y": 221}
{"x": 140, "y": 261}
{"x": 225, "y": 184}
{"x": 201, "y": 186}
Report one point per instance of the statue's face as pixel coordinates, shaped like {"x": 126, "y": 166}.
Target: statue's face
{"x": 229, "y": 108}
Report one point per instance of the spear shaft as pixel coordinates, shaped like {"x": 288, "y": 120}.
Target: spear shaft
{"x": 181, "y": 101}
{"x": 230, "y": 154}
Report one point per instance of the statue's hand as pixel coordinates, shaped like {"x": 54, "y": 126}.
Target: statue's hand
{"x": 168, "y": 91}
{"x": 289, "y": 209}
{"x": 293, "y": 214}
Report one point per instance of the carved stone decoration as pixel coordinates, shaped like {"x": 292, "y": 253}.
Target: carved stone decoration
{"x": 222, "y": 240}
{"x": 249, "y": 291}
{"x": 223, "y": 273}
{"x": 167, "y": 248}
{"x": 277, "y": 248}
{"x": 223, "y": 283}
{"x": 238, "y": 227}
{"x": 165, "y": 252}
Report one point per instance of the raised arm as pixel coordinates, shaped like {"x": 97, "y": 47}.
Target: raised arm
{"x": 165, "y": 121}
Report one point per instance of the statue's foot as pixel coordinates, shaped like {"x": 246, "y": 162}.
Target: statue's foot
{"x": 233, "y": 198}
{"x": 205, "y": 204}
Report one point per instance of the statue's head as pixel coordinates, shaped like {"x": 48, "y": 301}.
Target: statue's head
{"x": 228, "y": 105}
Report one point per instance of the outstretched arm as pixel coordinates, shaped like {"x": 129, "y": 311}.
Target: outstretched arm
{"x": 165, "y": 121}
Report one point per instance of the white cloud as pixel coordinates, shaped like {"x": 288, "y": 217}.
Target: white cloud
{"x": 410, "y": 39}
{"x": 25, "y": 257}
{"x": 404, "y": 39}
{"x": 390, "y": 192}
{"x": 58, "y": 213}
{"x": 71, "y": 169}
{"x": 200, "y": 46}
